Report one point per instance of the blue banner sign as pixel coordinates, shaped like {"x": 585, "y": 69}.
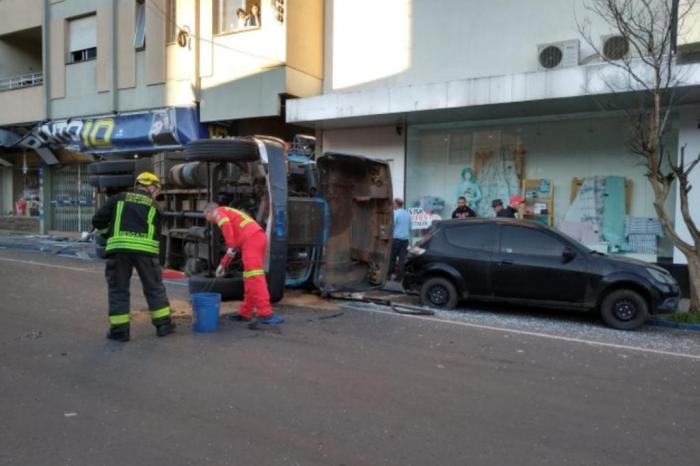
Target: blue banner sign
{"x": 139, "y": 132}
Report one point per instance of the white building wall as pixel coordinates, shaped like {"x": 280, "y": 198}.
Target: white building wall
{"x": 385, "y": 143}
{"x": 420, "y": 41}
{"x": 689, "y": 136}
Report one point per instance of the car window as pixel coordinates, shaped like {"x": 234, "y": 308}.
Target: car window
{"x": 517, "y": 240}
{"x": 475, "y": 237}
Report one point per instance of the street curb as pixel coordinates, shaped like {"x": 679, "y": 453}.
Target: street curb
{"x": 672, "y": 324}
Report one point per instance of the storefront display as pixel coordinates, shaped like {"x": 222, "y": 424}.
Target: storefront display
{"x": 483, "y": 163}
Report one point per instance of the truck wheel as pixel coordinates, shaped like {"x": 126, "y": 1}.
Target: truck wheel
{"x": 116, "y": 181}
{"x": 624, "y": 310}
{"x": 230, "y": 288}
{"x": 111, "y": 167}
{"x": 94, "y": 181}
{"x": 438, "y": 292}
{"x": 222, "y": 150}
{"x": 143, "y": 165}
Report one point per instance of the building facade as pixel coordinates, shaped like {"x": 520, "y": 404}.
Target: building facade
{"x": 491, "y": 99}
{"x": 81, "y": 79}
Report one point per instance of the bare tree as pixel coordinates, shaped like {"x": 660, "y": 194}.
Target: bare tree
{"x": 649, "y": 70}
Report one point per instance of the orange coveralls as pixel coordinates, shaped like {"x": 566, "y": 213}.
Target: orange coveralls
{"x": 241, "y": 231}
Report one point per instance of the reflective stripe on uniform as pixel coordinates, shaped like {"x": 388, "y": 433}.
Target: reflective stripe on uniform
{"x": 253, "y": 273}
{"x": 151, "y": 227}
{"x": 160, "y": 313}
{"x": 141, "y": 245}
{"x": 246, "y": 218}
{"x": 119, "y": 319}
{"x": 222, "y": 221}
{"x": 118, "y": 216}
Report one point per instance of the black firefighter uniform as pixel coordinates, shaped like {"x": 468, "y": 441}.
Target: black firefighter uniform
{"x": 131, "y": 223}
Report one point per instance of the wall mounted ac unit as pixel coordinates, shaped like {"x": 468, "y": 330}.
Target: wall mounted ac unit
{"x": 614, "y": 47}
{"x": 558, "y": 55}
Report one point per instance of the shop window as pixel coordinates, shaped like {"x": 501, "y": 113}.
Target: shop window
{"x": 517, "y": 240}
{"x": 82, "y": 39}
{"x": 472, "y": 237}
{"x": 140, "y": 33}
{"x": 236, "y": 15}
{"x": 171, "y": 21}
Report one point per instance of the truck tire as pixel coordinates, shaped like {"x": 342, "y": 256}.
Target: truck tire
{"x": 624, "y": 310}
{"x": 94, "y": 181}
{"x": 116, "y": 181}
{"x": 222, "y": 150}
{"x": 111, "y": 167}
{"x": 230, "y": 288}
{"x": 143, "y": 165}
{"x": 175, "y": 175}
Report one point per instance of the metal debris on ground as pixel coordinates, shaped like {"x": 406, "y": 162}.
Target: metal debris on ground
{"x": 413, "y": 310}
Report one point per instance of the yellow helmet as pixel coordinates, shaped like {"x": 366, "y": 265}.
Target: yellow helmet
{"x": 147, "y": 179}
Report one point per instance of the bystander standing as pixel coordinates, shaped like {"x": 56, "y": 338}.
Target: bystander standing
{"x": 399, "y": 244}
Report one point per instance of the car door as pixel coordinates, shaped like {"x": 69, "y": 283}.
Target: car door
{"x": 469, "y": 249}
{"x": 530, "y": 265}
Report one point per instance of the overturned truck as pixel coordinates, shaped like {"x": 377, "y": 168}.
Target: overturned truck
{"x": 328, "y": 220}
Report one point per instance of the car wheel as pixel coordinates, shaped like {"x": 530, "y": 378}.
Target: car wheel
{"x": 439, "y": 293}
{"x": 222, "y": 150}
{"x": 624, "y": 310}
{"x": 111, "y": 167}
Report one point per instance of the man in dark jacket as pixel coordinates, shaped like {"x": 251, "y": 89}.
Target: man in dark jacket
{"x": 463, "y": 210}
{"x": 509, "y": 212}
{"x": 131, "y": 224}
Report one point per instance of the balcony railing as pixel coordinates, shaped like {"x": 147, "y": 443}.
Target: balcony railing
{"x": 23, "y": 80}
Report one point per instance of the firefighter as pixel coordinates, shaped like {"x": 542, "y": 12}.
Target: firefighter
{"x": 242, "y": 232}
{"x": 130, "y": 222}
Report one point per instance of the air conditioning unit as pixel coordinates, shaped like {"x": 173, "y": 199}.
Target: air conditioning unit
{"x": 558, "y": 55}
{"x": 614, "y": 47}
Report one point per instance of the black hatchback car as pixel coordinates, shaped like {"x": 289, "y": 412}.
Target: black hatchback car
{"x": 525, "y": 262}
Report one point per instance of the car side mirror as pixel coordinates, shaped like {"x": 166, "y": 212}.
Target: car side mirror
{"x": 568, "y": 254}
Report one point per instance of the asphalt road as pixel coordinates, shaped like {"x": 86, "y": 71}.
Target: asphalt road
{"x": 348, "y": 387}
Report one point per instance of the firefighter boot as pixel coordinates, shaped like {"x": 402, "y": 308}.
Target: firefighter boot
{"x": 164, "y": 326}
{"x": 119, "y": 333}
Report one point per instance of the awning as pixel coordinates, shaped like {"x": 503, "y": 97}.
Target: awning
{"x": 138, "y": 132}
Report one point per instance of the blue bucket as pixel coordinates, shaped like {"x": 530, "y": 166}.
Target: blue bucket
{"x": 205, "y": 310}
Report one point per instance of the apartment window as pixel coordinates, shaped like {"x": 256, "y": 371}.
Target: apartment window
{"x": 236, "y": 15}
{"x": 82, "y": 39}
{"x": 171, "y": 18}
{"x": 140, "y": 33}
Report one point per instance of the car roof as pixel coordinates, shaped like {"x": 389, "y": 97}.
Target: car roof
{"x": 491, "y": 220}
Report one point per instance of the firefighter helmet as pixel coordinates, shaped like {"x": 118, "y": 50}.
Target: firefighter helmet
{"x": 147, "y": 179}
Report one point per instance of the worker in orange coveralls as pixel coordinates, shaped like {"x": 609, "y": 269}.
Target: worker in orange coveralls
{"x": 242, "y": 232}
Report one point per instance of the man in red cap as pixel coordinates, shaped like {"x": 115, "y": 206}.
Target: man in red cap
{"x": 242, "y": 232}
{"x": 512, "y": 210}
